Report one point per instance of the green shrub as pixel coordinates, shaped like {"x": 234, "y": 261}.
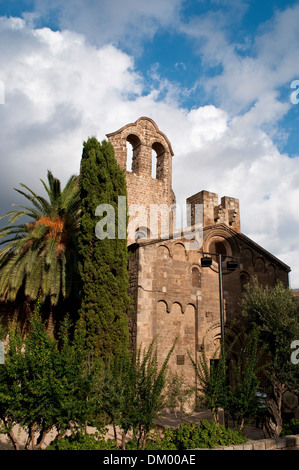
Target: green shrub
{"x": 191, "y": 436}
{"x": 83, "y": 441}
{"x": 205, "y": 435}
{"x": 45, "y": 383}
{"x": 290, "y": 428}
{"x": 155, "y": 441}
{"x": 131, "y": 391}
{"x": 187, "y": 436}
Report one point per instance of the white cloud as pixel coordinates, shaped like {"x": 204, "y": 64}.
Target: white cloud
{"x": 59, "y": 90}
{"x": 241, "y": 161}
{"x": 109, "y": 21}
{"x": 253, "y": 76}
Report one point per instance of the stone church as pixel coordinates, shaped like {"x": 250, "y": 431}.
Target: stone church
{"x": 175, "y": 294}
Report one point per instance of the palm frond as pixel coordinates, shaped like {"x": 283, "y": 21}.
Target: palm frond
{"x": 38, "y": 201}
{"x": 40, "y": 254}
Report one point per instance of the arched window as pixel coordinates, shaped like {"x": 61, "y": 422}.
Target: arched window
{"x": 218, "y": 247}
{"x": 154, "y": 164}
{"x": 129, "y": 156}
{"x": 133, "y": 148}
{"x": 158, "y": 160}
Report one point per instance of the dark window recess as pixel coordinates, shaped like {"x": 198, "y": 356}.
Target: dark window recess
{"x": 219, "y": 248}
{"x": 180, "y": 360}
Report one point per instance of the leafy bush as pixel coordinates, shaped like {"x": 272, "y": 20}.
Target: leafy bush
{"x": 83, "y": 441}
{"x": 290, "y": 428}
{"x": 212, "y": 380}
{"x": 155, "y": 441}
{"x": 187, "y": 436}
{"x": 178, "y": 394}
{"x": 131, "y": 390}
{"x": 45, "y": 382}
{"x": 191, "y": 436}
{"x": 205, "y": 435}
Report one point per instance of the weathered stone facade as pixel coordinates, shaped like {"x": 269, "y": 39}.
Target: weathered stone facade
{"x": 174, "y": 295}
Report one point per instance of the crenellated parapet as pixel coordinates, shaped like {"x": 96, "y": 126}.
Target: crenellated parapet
{"x": 227, "y": 212}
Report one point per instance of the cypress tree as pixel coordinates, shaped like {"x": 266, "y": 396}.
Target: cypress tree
{"x": 103, "y": 263}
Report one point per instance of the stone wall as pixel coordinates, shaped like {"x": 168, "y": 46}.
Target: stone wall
{"x": 175, "y": 297}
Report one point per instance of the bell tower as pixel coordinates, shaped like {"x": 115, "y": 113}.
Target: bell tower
{"x": 149, "y": 177}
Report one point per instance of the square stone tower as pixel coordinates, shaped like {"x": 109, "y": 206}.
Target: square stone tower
{"x": 227, "y": 212}
{"x": 149, "y": 177}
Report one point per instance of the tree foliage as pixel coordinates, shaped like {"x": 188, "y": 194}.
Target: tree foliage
{"x": 212, "y": 383}
{"x": 40, "y": 254}
{"x": 244, "y": 378}
{"x": 102, "y": 262}
{"x": 275, "y": 311}
{"x": 132, "y": 389}
{"x": 44, "y": 383}
{"x": 229, "y": 380}
{"x": 179, "y": 394}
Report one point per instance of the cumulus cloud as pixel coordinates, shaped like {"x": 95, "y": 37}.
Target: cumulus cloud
{"x": 241, "y": 161}
{"x": 249, "y": 78}
{"x": 110, "y": 21}
{"x": 58, "y": 91}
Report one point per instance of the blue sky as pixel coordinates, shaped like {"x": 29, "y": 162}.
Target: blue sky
{"x": 214, "y": 75}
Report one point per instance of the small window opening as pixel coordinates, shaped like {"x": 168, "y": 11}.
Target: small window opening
{"x": 154, "y": 164}
{"x": 133, "y": 148}
{"x": 142, "y": 233}
{"x": 180, "y": 360}
{"x": 129, "y": 156}
{"x": 158, "y": 161}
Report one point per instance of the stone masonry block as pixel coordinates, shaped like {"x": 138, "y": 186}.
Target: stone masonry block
{"x": 281, "y": 443}
{"x": 259, "y": 445}
{"x": 270, "y": 444}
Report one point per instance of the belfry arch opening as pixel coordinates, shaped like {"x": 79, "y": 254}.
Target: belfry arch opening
{"x": 154, "y": 164}
{"x": 158, "y": 157}
{"x": 133, "y": 147}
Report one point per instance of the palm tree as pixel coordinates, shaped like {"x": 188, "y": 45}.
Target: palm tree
{"x": 39, "y": 257}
